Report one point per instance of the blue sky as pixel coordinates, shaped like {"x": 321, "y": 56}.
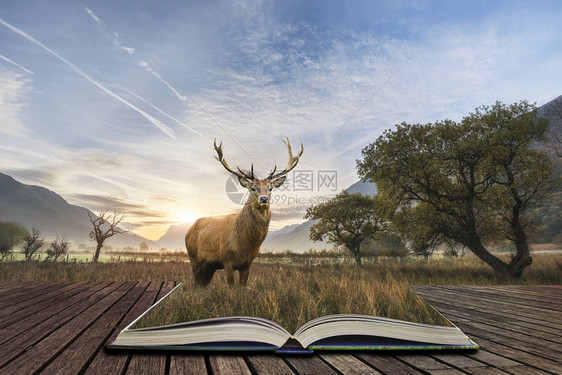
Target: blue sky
{"x": 93, "y": 105}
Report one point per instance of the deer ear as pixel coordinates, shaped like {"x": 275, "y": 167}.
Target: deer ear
{"x": 245, "y": 182}
{"x": 280, "y": 181}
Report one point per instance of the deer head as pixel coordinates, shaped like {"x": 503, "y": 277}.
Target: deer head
{"x": 260, "y": 189}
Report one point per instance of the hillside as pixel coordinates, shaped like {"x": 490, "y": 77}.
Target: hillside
{"x": 36, "y": 206}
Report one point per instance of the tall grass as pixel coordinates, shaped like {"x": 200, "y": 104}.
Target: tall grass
{"x": 292, "y": 296}
{"x": 468, "y": 270}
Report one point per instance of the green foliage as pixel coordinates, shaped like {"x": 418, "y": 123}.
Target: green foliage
{"x": 143, "y": 246}
{"x": 467, "y": 183}
{"x": 11, "y": 234}
{"x": 347, "y": 219}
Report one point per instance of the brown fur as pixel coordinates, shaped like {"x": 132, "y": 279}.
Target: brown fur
{"x": 233, "y": 241}
{"x": 230, "y": 242}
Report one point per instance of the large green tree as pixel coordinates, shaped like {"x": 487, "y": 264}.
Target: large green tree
{"x": 10, "y": 235}
{"x": 469, "y": 182}
{"x": 347, "y": 219}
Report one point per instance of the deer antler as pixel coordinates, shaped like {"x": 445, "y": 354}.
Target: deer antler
{"x": 239, "y": 172}
{"x": 293, "y": 161}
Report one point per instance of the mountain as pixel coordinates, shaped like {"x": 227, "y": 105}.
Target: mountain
{"x": 296, "y": 237}
{"x": 174, "y": 238}
{"x": 553, "y": 112}
{"x": 274, "y": 233}
{"x": 35, "y": 206}
{"x": 365, "y": 188}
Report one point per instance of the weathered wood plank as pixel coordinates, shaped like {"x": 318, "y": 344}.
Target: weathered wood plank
{"x": 114, "y": 362}
{"x": 423, "y": 362}
{"x": 387, "y": 364}
{"x": 47, "y": 296}
{"x": 507, "y": 296}
{"x": 22, "y": 295}
{"x": 188, "y": 364}
{"x": 517, "y": 355}
{"x": 76, "y": 356}
{"x": 43, "y": 352}
{"x": 156, "y": 362}
{"x": 511, "y": 345}
{"x": 228, "y": 364}
{"x": 29, "y": 311}
{"x": 311, "y": 365}
{"x": 488, "y": 307}
{"x": 27, "y": 333}
{"x": 492, "y": 359}
{"x": 525, "y": 370}
{"x": 499, "y": 322}
{"x": 269, "y": 364}
{"x": 511, "y": 329}
{"x": 458, "y": 360}
{"x": 4, "y": 285}
{"x": 151, "y": 364}
{"x": 450, "y": 371}
{"x": 487, "y": 371}
{"x": 41, "y": 312}
{"x": 347, "y": 364}
{"x": 17, "y": 286}
{"x": 496, "y": 303}
{"x": 538, "y": 294}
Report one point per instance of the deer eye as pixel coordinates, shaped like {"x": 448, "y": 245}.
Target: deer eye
{"x": 253, "y": 189}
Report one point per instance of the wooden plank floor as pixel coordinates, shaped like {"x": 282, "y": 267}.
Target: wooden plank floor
{"x": 62, "y": 328}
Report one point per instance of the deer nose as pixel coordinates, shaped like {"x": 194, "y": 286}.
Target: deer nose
{"x": 264, "y": 199}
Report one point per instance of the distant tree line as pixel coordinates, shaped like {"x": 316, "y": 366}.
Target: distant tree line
{"x": 463, "y": 185}
{"x": 14, "y": 234}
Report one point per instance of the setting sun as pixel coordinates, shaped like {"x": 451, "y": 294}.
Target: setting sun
{"x": 187, "y": 217}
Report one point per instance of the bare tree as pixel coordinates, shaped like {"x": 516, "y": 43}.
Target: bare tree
{"x": 57, "y": 248}
{"x": 31, "y": 243}
{"x": 105, "y": 226}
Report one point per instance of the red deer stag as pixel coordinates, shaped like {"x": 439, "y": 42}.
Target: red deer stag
{"x": 233, "y": 241}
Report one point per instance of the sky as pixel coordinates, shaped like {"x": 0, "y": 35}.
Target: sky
{"x": 115, "y": 104}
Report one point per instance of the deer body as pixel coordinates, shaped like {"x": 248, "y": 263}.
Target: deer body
{"x": 233, "y": 241}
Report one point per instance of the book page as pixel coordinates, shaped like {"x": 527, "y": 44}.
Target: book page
{"x": 293, "y": 295}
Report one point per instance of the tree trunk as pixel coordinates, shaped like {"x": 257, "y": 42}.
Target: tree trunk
{"x": 97, "y": 253}
{"x": 357, "y": 255}
{"x": 481, "y": 252}
{"x": 523, "y": 258}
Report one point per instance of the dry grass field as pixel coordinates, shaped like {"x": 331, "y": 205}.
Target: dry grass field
{"x": 293, "y": 294}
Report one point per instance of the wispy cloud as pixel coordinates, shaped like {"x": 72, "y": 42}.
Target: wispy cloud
{"x": 145, "y": 65}
{"x": 14, "y": 90}
{"x": 114, "y": 37}
{"x": 16, "y": 64}
{"x": 191, "y": 129}
{"x": 96, "y": 18}
{"x": 165, "y": 129}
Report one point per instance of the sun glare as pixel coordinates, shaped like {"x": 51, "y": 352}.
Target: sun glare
{"x": 187, "y": 217}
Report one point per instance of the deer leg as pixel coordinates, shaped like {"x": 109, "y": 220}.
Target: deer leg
{"x": 203, "y": 273}
{"x": 229, "y": 275}
{"x": 207, "y": 276}
{"x": 244, "y": 273}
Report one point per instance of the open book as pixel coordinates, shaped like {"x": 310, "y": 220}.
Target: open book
{"x": 331, "y": 332}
